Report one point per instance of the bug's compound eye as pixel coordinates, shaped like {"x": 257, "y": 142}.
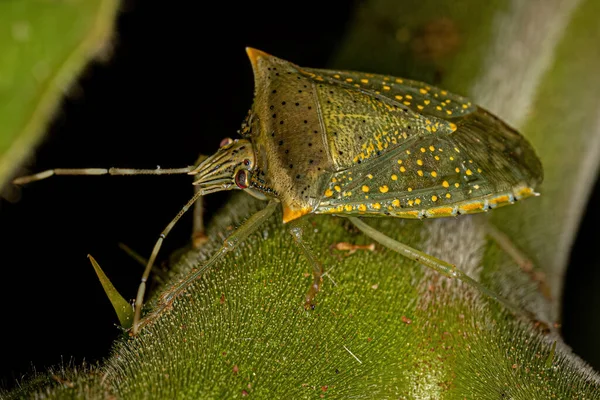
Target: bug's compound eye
{"x": 226, "y": 142}
{"x": 247, "y": 162}
{"x": 241, "y": 179}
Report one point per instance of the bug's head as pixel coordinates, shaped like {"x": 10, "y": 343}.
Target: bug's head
{"x": 229, "y": 168}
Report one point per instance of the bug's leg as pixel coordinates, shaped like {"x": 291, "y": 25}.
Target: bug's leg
{"x": 526, "y": 265}
{"x": 198, "y": 233}
{"x": 99, "y": 171}
{"x": 142, "y": 288}
{"x": 436, "y": 264}
{"x": 297, "y": 229}
{"x": 238, "y": 236}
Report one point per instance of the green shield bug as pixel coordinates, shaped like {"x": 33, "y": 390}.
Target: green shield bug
{"x": 354, "y": 144}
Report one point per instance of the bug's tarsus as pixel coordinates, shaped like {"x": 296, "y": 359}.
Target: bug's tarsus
{"x": 436, "y": 264}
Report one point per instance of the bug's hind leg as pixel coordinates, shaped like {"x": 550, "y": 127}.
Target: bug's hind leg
{"x": 436, "y": 264}
{"x": 526, "y": 265}
{"x": 297, "y": 229}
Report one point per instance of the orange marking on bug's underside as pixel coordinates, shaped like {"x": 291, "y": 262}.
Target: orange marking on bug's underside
{"x": 472, "y": 207}
{"x": 407, "y": 214}
{"x": 500, "y": 199}
{"x": 440, "y": 212}
{"x": 524, "y": 192}
{"x": 290, "y": 214}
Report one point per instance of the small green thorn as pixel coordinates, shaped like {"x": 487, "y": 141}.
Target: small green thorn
{"x": 123, "y": 309}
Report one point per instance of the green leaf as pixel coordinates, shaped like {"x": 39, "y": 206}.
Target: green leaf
{"x": 45, "y": 46}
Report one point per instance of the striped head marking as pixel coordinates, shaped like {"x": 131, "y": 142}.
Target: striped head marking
{"x": 229, "y": 168}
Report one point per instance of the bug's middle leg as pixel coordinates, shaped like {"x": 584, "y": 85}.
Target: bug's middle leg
{"x": 297, "y": 229}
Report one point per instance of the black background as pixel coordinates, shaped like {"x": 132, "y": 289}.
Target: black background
{"x": 178, "y": 82}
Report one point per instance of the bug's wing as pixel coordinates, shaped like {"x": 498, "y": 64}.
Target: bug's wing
{"x": 420, "y": 97}
{"x": 483, "y": 158}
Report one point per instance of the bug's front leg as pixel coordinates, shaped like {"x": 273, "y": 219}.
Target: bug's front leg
{"x": 297, "y": 229}
{"x": 199, "y": 236}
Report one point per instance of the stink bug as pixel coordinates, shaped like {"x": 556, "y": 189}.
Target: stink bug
{"x": 354, "y": 144}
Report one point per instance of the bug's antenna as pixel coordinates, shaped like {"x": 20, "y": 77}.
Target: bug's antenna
{"x": 142, "y": 288}
{"x": 99, "y": 171}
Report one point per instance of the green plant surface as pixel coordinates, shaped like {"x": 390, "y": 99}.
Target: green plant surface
{"x": 45, "y": 46}
{"x": 384, "y": 326}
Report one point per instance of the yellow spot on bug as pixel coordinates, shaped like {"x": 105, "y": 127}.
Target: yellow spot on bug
{"x": 434, "y": 174}
{"x": 364, "y": 80}
{"x": 457, "y": 170}
{"x": 398, "y": 80}
{"x": 384, "y": 189}
{"x": 423, "y": 150}
{"x": 333, "y": 180}
{"x": 448, "y": 195}
{"x": 457, "y": 149}
{"x": 420, "y": 107}
{"x": 407, "y": 103}
{"x": 445, "y": 184}
{"x": 365, "y": 188}
{"x": 431, "y": 148}
{"x": 438, "y": 108}
{"x": 377, "y": 206}
{"x": 408, "y": 96}
{"x": 453, "y": 126}
{"x": 396, "y": 203}
{"x": 465, "y": 106}
{"x": 386, "y": 88}
{"x": 417, "y": 201}
{"x": 437, "y": 158}
{"x": 409, "y": 189}
{"x": 476, "y": 186}
{"x": 402, "y": 169}
{"x": 468, "y": 172}
{"x": 420, "y": 173}
{"x": 394, "y": 177}
{"x": 449, "y": 112}
{"x": 451, "y": 158}
{"x": 427, "y": 102}
{"x": 408, "y": 152}
{"x": 423, "y": 91}
{"x": 470, "y": 161}
{"x": 348, "y": 207}
{"x": 336, "y": 76}
{"x": 348, "y": 79}
{"x": 328, "y": 193}
{"x": 399, "y": 161}
{"x": 434, "y": 198}
{"x": 420, "y": 162}
{"x": 398, "y": 97}
{"x": 337, "y": 188}
{"x": 362, "y": 207}
{"x": 411, "y": 203}
{"x": 444, "y": 93}
{"x": 369, "y": 176}
{"x": 456, "y": 184}
{"x": 478, "y": 169}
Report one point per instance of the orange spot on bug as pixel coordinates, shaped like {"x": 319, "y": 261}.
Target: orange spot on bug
{"x": 290, "y": 214}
